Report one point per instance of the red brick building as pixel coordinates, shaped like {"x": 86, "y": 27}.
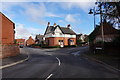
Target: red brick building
{"x": 30, "y": 41}
{"x": 59, "y": 36}
{"x": 7, "y": 46}
{"x": 7, "y": 32}
{"x": 20, "y": 41}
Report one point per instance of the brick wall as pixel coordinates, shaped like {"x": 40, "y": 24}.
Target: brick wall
{"x": 9, "y": 50}
{"x": 53, "y": 41}
{"x": 20, "y": 41}
{"x": 0, "y": 28}
{"x": 7, "y": 46}
{"x": 7, "y": 32}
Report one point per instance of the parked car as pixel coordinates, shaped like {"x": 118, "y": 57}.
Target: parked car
{"x": 21, "y": 46}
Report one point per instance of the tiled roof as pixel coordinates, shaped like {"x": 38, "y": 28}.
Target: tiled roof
{"x": 107, "y": 30}
{"x": 51, "y": 28}
{"x": 65, "y": 30}
{"x": 39, "y": 36}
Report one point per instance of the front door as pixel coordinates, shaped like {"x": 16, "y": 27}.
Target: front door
{"x": 70, "y": 42}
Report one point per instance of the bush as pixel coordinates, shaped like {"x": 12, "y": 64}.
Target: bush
{"x": 45, "y": 46}
{"x": 114, "y": 44}
{"x": 116, "y": 41}
{"x": 54, "y": 46}
{"x": 34, "y": 45}
{"x": 70, "y": 46}
{"x": 99, "y": 42}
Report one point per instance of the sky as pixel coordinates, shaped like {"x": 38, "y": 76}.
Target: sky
{"x": 31, "y": 18}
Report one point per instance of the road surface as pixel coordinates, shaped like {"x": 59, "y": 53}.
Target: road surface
{"x": 58, "y": 63}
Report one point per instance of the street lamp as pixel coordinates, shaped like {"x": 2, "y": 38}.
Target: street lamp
{"x": 101, "y": 23}
{"x": 94, "y": 13}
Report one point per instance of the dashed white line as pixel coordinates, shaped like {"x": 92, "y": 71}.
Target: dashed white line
{"x": 58, "y": 61}
{"x": 52, "y": 74}
{"x": 48, "y": 76}
{"x": 48, "y": 54}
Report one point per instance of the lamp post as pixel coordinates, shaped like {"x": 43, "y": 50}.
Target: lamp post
{"x": 94, "y": 13}
{"x": 101, "y": 22}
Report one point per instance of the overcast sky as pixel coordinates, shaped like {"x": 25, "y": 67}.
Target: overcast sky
{"x": 31, "y": 18}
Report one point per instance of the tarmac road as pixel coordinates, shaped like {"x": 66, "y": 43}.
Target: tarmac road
{"x": 58, "y": 63}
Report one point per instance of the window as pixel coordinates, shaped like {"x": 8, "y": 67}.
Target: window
{"x": 71, "y": 40}
{"x": 48, "y": 42}
{"x": 60, "y": 40}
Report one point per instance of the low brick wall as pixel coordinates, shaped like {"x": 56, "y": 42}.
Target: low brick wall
{"x": 8, "y": 50}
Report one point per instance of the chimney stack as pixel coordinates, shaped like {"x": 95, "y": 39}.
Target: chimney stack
{"x": 30, "y": 37}
{"x": 54, "y": 24}
{"x": 68, "y": 26}
{"x": 48, "y": 24}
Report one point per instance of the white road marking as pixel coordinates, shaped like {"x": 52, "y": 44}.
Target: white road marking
{"x": 52, "y": 74}
{"x": 48, "y": 76}
{"x": 58, "y": 61}
{"x": 48, "y": 54}
{"x": 76, "y": 53}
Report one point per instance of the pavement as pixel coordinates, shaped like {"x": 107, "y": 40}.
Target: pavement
{"x": 13, "y": 60}
{"x": 101, "y": 62}
{"x": 78, "y": 53}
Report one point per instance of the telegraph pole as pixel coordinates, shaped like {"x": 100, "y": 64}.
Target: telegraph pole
{"x": 102, "y": 29}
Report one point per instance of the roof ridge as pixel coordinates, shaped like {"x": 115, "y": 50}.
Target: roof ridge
{"x": 63, "y": 27}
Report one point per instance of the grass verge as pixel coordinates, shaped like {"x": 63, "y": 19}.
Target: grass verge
{"x": 112, "y": 60}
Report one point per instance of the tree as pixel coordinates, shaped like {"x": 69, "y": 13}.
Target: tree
{"x": 110, "y": 12}
{"x": 86, "y": 38}
{"x": 79, "y": 42}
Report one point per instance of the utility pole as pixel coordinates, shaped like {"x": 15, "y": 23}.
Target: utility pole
{"x": 102, "y": 29}
{"x": 101, "y": 24}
